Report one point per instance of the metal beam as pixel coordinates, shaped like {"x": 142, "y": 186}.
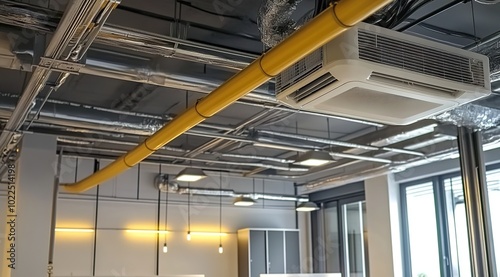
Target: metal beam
{"x": 78, "y": 28}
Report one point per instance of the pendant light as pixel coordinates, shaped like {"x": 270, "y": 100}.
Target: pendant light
{"x": 221, "y": 250}
{"x": 165, "y": 247}
{"x": 245, "y": 200}
{"x": 188, "y": 236}
{"x": 190, "y": 175}
{"x": 307, "y": 207}
{"x": 314, "y": 158}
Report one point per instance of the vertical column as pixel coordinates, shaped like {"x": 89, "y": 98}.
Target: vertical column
{"x": 473, "y": 170}
{"x": 384, "y": 238}
{"x": 28, "y": 220}
{"x": 306, "y": 260}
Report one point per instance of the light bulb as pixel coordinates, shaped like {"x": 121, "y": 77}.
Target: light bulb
{"x": 221, "y": 250}
{"x": 165, "y": 248}
{"x": 188, "y": 237}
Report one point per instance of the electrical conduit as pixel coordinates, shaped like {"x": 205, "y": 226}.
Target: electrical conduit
{"x": 307, "y": 39}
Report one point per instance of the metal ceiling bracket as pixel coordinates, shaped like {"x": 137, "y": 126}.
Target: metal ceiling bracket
{"x": 60, "y": 65}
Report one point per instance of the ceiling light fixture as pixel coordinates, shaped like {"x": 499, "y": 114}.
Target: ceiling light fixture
{"x": 314, "y": 158}
{"x": 245, "y": 201}
{"x": 307, "y": 207}
{"x": 190, "y": 175}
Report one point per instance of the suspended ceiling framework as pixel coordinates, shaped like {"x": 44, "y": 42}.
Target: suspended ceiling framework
{"x": 140, "y": 63}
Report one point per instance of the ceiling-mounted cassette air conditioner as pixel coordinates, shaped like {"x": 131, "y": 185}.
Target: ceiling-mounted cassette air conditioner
{"x": 381, "y": 75}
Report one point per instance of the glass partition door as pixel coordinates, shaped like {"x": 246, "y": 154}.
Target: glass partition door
{"x": 355, "y": 239}
{"x": 346, "y": 248}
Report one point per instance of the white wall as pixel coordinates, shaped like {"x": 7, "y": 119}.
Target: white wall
{"x": 383, "y": 221}
{"x": 130, "y": 202}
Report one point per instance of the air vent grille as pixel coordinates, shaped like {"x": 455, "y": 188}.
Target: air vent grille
{"x": 299, "y": 70}
{"x": 418, "y": 58}
{"x": 312, "y": 87}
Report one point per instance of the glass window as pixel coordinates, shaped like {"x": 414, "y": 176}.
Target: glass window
{"x": 422, "y": 230}
{"x": 457, "y": 227}
{"x": 436, "y": 233}
{"x": 493, "y": 181}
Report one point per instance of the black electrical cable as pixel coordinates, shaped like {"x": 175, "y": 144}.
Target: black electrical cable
{"x": 445, "y": 31}
{"x": 238, "y": 17}
{"x": 166, "y": 216}
{"x": 220, "y": 212}
{"x": 410, "y": 11}
{"x": 191, "y": 24}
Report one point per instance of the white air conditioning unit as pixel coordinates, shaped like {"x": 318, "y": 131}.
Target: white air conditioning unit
{"x": 381, "y": 75}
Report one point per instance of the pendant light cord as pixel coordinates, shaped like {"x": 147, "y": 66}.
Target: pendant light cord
{"x": 253, "y": 188}
{"x": 220, "y": 211}
{"x": 189, "y": 207}
{"x": 166, "y": 213}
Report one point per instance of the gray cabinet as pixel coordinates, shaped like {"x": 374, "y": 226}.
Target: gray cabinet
{"x": 271, "y": 251}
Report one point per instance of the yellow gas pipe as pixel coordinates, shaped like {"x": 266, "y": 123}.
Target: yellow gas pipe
{"x": 320, "y": 30}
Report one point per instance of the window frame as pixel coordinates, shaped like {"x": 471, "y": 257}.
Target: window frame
{"x": 334, "y": 197}
{"x": 447, "y": 264}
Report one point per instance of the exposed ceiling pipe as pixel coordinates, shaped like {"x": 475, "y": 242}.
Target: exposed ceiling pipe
{"x": 92, "y": 141}
{"x": 162, "y": 183}
{"x": 73, "y": 36}
{"x": 76, "y": 116}
{"x": 42, "y": 20}
{"x": 79, "y": 115}
{"x": 292, "y": 110}
{"x": 310, "y": 37}
{"x": 111, "y": 154}
{"x": 333, "y": 142}
{"x": 348, "y": 179}
{"x": 162, "y": 75}
{"x": 241, "y": 126}
{"x": 82, "y": 119}
{"x": 173, "y": 157}
{"x": 32, "y": 18}
{"x": 255, "y": 157}
{"x": 200, "y": 83}
{"x": 443, "y": 151}
{"x": 172, "y": 48}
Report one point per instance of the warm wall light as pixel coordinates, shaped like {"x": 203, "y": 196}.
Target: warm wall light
{"x": 190, "y": 175}
{"x": 307, "y": 207}
{"x": 211, "y": 234}
{"x": 74, "y": 230}
{"x": 314, "y": 158}
{"x": 146, "y": 231}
